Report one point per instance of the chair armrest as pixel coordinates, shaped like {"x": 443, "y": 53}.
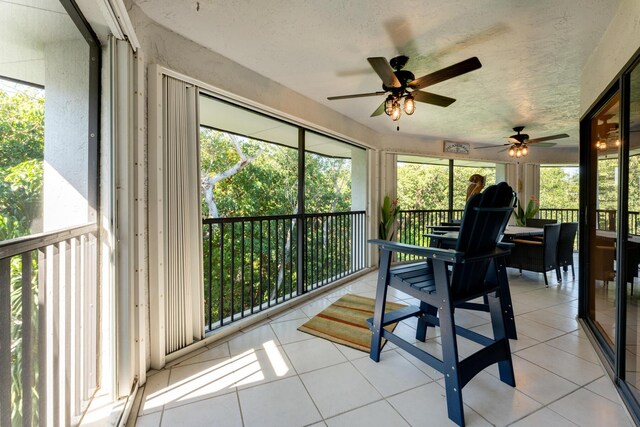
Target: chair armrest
{"x": 528, "y": 242}
{"x": 448, "y": 255}
{"x": 506, "y": 245}
{"x": 440, "y": 236}
{"x": 428, "y": 252}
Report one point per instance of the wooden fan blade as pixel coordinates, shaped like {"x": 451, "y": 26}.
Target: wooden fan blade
{"x": 379, "y": 110}
{"x": 357, "y": 95}
{"x": 432, "y": 98}
{"x": 544, "y": 144}
{"x": 491, "y": 146}
{"x": 381, "y": 66}
{"x": 547, "y": 138}
{"x": 450, "y": 72}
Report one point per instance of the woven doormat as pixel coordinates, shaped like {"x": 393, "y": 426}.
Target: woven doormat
{"x": 345, "y": 321}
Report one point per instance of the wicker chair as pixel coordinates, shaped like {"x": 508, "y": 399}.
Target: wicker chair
{"x": 538, "y": 256}
{"x": 446, "y": 281}
{"x": 568, "y": 232}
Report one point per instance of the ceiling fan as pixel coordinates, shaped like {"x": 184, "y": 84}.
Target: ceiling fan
{"x": 398, "y": 83}
{"x": 518, "y": 144}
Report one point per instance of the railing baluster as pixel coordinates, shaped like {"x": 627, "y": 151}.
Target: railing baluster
{"x": 260, "y": 277}
{"x": 252, "y": 269}
{"x": 27, "y": 343}
{"x": 210, "y": 275}
{"x": 233, "y": 271}
{"x": 242, "y": 284}
{"x": 5, "y": 339}
{"x": 291, "y": 252}
{"x": 269, "y": 263}
{"x": 277, "y": 246}
{"x": 221, "y": 302}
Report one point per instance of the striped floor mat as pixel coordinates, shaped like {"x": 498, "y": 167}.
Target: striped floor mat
{"x": 345, "y": 321}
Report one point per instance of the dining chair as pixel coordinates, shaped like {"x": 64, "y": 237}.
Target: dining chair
{"x": 568, "y": 231}
{"x": 447, "y": 280}
{"x": 539, "y": 256}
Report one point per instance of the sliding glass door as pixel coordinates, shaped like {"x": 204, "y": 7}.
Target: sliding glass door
{"x": 632, "y": 330}
{"x": 610, "y": 230}
{"x": 605, "y": 147}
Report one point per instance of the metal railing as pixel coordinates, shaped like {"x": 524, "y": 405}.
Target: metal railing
{"x": 606, "y": 218}
{"x": 253, "y": 263}
{"x": 414, "y": 224}
{"x": 48, "y": 326}
{"x": 561, "y": 215}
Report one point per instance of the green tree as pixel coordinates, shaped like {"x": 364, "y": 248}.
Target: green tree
{"x": 21, "y": 174}
{"x": 423, "y": 186}
{"x": 559, "y": 187}
{"x": 21, "y": 157}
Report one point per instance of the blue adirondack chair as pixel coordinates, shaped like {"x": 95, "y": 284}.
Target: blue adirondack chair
{"x": 449, "y": 279}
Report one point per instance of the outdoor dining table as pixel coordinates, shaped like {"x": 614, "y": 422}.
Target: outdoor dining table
{"x": 511, "y": 232}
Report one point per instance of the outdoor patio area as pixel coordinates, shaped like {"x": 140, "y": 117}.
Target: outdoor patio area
{"x": 273, "y": 375}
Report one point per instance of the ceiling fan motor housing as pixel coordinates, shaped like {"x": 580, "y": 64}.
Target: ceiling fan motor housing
{"x": 398, "y": 62}
{"x": 405, "y": 77}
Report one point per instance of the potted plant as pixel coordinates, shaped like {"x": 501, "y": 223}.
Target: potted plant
{"x": 389, "y": 214}
{"x": 530, "y": 212}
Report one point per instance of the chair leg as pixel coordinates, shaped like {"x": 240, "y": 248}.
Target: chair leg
{"x": 558, "y": 275}
{"x": 546, "y": 283}
{"x": 455, "y": 408}
{"x": 573, "y": 273}
{"x": 498, "y": 274}
{"x": 499, "y": 325}
{"x": 423, "y": 323}
{"x": 378, "y": 311}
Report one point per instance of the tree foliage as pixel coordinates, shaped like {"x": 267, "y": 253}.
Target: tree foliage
{"x": 425, "y": 186}
{"x": 559, "y": 187}
{"x": 21, "y": 175}
{"x": 21, "y": 157}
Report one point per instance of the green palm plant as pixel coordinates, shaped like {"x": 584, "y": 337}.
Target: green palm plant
{"x": 389, "y": 214}
{"x": 530, "y": 212}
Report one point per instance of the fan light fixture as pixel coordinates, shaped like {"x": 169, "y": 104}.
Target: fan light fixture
{"x": 409, "y": 105}
{"x": 392, "y": 106}
{"x": 518, "y": 150}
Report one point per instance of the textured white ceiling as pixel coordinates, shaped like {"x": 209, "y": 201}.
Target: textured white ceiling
{"x": 532, "y": 52}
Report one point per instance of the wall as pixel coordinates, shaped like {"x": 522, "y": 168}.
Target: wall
{"x": 620, "y": 41}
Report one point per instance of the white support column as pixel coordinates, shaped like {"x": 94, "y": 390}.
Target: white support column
{"x": 532, "y": 181}
{"x": 156, "y": 220}
{"x": 359, "y": 193}
{"x": 373, "y": 207}
{"x": 140, "y": 219}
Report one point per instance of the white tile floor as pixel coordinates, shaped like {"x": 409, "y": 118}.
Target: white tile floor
{"x": 274, "y": 375}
